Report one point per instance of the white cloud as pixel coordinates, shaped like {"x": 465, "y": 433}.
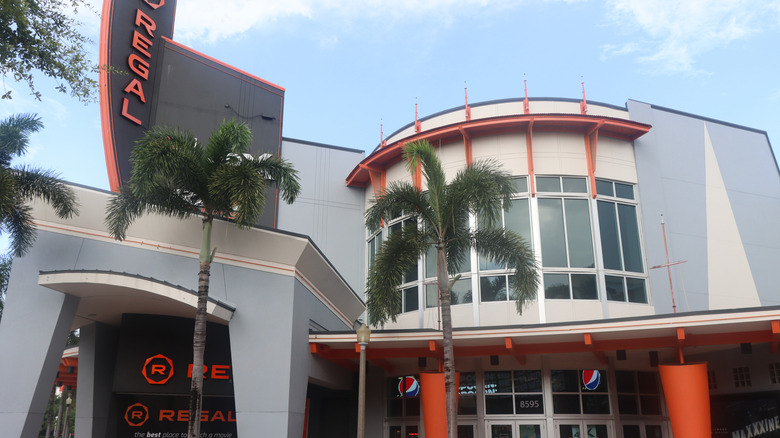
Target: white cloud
{"x": 200, "y": 20}
{"x": 675, "y": 33}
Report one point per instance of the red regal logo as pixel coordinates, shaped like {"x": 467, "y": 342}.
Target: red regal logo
{"x": 158, "y": 370}
{"x": 136, "y": 415}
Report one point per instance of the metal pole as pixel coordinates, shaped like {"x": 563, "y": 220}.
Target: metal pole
{"x": 361, "y": 432}
{"x": 668, "y": 266}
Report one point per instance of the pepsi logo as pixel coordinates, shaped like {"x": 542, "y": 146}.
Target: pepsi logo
{"x": 408, "y": 386}
{"x": 591, "y": 379}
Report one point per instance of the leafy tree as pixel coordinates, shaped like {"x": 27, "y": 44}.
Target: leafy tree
{"x": 21, "y": 184}
{"x": 39, "y": 35}
{"x": 177, "y": 176}
{"x": 440, "y": 218}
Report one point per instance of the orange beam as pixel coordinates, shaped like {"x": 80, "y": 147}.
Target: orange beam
{"x": 680, "y": 345}
{"x": 467, "y": 144}
{"x": 514, "y": 351}
{"x": 602, "y": 358}
{"x": 529, "y": 149}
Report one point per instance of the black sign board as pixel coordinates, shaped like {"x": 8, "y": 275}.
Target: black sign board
{"x": 155, "y": 357}
{"x": 162, "y": 416}
{"x": 746, "y": 415}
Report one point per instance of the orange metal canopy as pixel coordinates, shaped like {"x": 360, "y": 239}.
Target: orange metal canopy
{"x": 584, "y": 124}
{"x": 673, "y": 331}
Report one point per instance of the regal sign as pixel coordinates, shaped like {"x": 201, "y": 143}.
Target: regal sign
{"x": 131, "y": 35}
{"x": 148, "y": 79}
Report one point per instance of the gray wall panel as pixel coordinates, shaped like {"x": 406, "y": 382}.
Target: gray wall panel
{"x": 327, "y": 210}
{"x": 33, "y": 330}
{"x": 671, "y": 175}
{"x": 753, "y": 186}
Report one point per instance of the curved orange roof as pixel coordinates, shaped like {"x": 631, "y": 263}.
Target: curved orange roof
{"x": 386, "y": 156}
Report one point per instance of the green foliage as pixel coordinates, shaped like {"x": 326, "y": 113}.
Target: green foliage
{"x": 40, "y": 36}
{"x": 177, "y": 176}
{"x": 21, "y": 184}
{"x": 5, "y": 274}
{"x": 443, "y": 211}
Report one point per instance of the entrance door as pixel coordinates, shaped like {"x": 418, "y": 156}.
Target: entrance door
{"x": 583, "y": 429}
{"x": 403, "y": 431}
{"x": 515, "y": 429}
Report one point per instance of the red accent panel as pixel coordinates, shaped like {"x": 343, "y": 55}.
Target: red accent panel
{"x": 434, "y": 403}
{"x": 688, "y": 399}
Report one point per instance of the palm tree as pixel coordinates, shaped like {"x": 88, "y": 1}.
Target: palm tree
{"x": 440, "y": 218}
{"x": 21, "y": 184}
{"x": 177, "y": 176}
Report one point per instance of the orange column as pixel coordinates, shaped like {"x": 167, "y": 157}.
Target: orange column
{"x": 434, "y": 403}
{"x": 688, "y": 399}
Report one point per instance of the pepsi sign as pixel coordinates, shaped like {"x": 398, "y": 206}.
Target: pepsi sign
{"x": 408, "y": 386}
{"x": 591, "y": 379}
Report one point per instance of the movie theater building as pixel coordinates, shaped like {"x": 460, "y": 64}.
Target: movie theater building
{"x": 655, "y": 231}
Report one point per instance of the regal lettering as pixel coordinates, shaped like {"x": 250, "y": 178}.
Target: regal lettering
{"x": 139, "y": 60}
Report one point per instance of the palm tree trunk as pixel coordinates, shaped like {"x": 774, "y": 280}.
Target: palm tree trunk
{"x": 449, "y": 352}
{"x": 199, "y": 336}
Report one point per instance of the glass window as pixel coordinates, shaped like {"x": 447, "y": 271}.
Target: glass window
{"x": 373, "y": 246}
{"x": 610, "y": 240}
{"x": 636, "y": 290}
{"x": 578, "y": 232}
{"x": 403, "y": 396}
{"x": 548, "y": 184}
{"x": 616, "y": 291}
{"x": 430, "y": 262}
{"x": 575, "y": 185}
{"x": 493, "y": 288}
{"x": 518, "y": 392}
{"x": 639, "y": 393}
{"x": 619, "y": 225}
{"x": 552, "y": 231}
{"x": 411, "y": 300}
{"x": 583, "y": 287}
{"x": 574, "y": 396}
{"x": 629, "y": 236}
{"x": 411, "y": 274}
{"x": 518, "y": 219}
{"x": 566, "y": 286}
{"x": 467, "y": 394}
{"x": 556, "y": 286}
{"x": 569, "y": 246}
{"x": 741, "y": 377}
{"x": 459, "y": 294}
{"x": 604, "y": 187}
{"x": 521, "y": 184}
{"x": 625, "y": 191}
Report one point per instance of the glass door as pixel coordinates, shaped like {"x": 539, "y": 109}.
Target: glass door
{"x": 403, "y": 431}
{"x": 515, "y": 429}
{"x": 583, "y": 429}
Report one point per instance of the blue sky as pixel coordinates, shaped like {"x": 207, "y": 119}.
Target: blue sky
{"x": 349, "y": 65}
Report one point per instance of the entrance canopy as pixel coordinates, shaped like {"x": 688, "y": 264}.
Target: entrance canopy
{"x": 681, "y": 333}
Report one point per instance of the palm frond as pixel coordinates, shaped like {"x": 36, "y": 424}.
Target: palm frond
{"x": 510, "y": 249}
{"x": 398, "y": 253}
{"x": 485, "y": 188}
{"x": 240, "y": 188}
{"x": 230, "y": 139}
{"x": 15, "y": 133}
{"x": 279, "y": 172}
{"x": 170, "y": 154}
{"x": 44, "y": 184}
{"x": 19, "y": 224}
{"x": 126, "y": 207}
{"x": 399, "y": 199}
